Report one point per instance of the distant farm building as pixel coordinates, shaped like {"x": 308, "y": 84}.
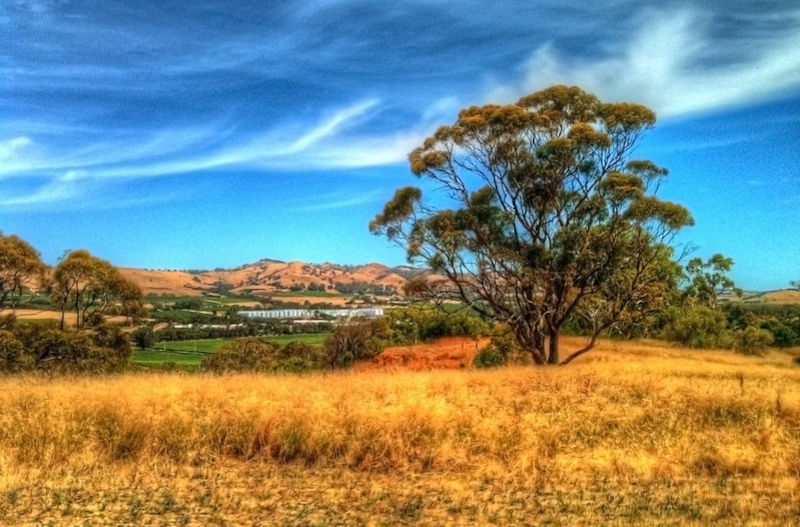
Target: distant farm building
{"x": 371, "y": 312}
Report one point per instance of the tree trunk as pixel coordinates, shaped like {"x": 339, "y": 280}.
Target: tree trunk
{"x": 552, "y": 356}
{"x": 537, "y": 356}
{"x": 538, "y": 342}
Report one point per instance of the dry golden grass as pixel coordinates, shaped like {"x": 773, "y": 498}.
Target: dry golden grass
{"x": 634, "y": 433}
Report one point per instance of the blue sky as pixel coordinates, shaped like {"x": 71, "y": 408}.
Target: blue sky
{"x": 180, "y": 134}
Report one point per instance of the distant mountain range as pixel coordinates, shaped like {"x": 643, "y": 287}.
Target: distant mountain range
{"x": 270, "y": 276}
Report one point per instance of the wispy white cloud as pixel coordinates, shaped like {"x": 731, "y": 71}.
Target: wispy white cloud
{"x": 338, "y": 200}
{"x": 330, "y": 143}
{"x": 673, "y": 65}
{"x": 57, "y": 189}
{"x": 10, "y": 147}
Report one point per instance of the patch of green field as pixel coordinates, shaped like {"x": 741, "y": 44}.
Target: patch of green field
{"x": 187, "y": 354}
{"x": 153, "y": 358}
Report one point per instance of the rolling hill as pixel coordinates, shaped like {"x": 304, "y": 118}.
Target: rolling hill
{"x": 267, "y": 277}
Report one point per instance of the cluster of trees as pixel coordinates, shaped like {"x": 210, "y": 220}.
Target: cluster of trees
{"x": 21, "y": 268}
{"x": 92, "y": 288}
{"x": 81, "y": 283}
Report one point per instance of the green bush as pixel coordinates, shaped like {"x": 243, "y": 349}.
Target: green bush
{"x": 752, "y": 340}
{"x": 356, "y": 340}
{"x": 12, "y": 354}
{"x": 698, "y": 327}
{"x": 144, "y": 337}
{"x": 488, "y": 357}
{"x": 49, "y": 349}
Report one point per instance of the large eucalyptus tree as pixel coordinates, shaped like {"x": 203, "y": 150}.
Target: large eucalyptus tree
{"x": 547, "y": 215}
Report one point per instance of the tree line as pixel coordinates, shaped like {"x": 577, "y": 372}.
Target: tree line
{"x": 80, "y": 283}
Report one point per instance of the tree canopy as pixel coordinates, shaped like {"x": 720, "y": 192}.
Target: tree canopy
{"x": 547, "y": 216}
{"x": 708, "y": 280}
{"x": 21, "y": 267}
{"x": 90, "y": 287}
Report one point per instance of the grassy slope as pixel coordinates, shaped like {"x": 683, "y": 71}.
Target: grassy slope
{"x": 631, "y": 434}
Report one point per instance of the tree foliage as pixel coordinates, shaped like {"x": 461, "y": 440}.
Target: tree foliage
{"x": 547, "y": 215}
{"x": 359, "y": 339}
{"x": 709, "y": 280}
{"x": 91, "y": 287}
{"x": 47, "y": 349}
{"x": 20, "y": 267}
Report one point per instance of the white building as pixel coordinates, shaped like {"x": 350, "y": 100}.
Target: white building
{"x": 366, "y": 312}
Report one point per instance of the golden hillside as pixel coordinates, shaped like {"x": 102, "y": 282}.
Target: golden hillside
{"x": 262, "y": 278}
{"x": 782, "y": 296}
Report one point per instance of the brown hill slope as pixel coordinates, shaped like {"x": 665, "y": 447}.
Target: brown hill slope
{"x": 781, "y": 296}
{"x": 263, "y": 277}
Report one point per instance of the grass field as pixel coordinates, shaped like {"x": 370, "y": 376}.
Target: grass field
{"x": 187, "y": 354}
{"x": 631, "y": 434}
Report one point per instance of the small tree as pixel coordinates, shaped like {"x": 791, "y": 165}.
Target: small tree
{"x": 144, "y": 337}
{"x": 20, "y": 267}
{"x": 546, "y": 215}
{"x": 90, "y": 286}
{"x": 709, "y": 280}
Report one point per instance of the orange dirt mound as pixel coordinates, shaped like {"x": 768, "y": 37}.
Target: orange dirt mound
{"x": 445, "y": 353}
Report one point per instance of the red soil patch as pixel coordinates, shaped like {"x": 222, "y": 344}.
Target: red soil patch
{"x": 446, "y": 353}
